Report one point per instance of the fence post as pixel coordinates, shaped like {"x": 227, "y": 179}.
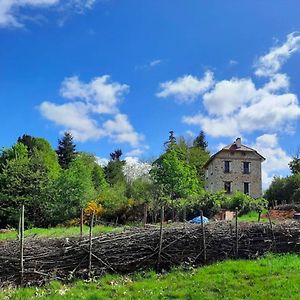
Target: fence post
{"x": 259, "y": 215}
{"x": 81, "y": 223}
{"x": 91, "y": 243}
{"x": 236, "y": 234}
{"x": 162, "y": 216}
{"x": 22, "y": 214}
{"x": 203, "y": 237}
{"x": 272, "y": 231}
{"x": 145, "y": 214}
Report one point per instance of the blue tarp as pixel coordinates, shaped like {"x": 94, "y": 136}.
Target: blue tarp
{"x": 197, "y": 220}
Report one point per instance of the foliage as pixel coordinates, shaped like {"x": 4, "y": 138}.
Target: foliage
{"x": 93, "y": 207}
{"x": 58, "y": 231}
{"x": 245, "y": 203}
{"x": 178, "y": 178}
{"x": 31, "y": 175}
{"x": 272, "y": 277}
{"x": 294, "y": 164}
{"x": 284, "y": 190}
{"x": 66, "y": 150}
{"x": 114, "y": 169}
{"x": 200, "y": 141}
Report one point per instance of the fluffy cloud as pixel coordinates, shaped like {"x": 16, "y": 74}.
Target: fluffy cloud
{"x": 10, "y": 9}
{"x": 91, "y": 111}
{"x": 237, "y": 106}
{"x": 270, "y": 64}
{"x": 227, "y": 95}
{"x": 255, "y": 109}
{"x": 186, "y": 88}
{"x": 121, "y": 131}
{"x": 74, "y": 117}
{"x": 102, "y": 95}
{"x": 276, "y": 158}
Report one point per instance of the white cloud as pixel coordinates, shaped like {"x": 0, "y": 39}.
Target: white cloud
{"x": 155, "y": 62}
{"x": 227, "y": 95}
{"x": 270, "y": 64}
{"x": 11, "y": 10}
{"x": 277, "y": 82}
{"x": 186, "y": 88}
{"x": 276, "y": 158}
{"x": 102, "y": 95}
{"x": 85, "y": 113}
{"x": 121, "y": 131}
{"x": 236, "y": 106}
{"x": 75, "y": 118}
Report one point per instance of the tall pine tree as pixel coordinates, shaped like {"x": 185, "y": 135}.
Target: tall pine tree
{"x": 200, "y": 141}
{"x": 66, "y": 151}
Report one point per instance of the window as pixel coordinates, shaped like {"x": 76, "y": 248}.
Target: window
{"x": 227, "y": 187}
{"x": 246, "y": 188}
{"x": 227, "y": 166}
{"x": 246, "y": 167}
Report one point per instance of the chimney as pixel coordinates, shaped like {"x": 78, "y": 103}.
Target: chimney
{"x": 238, "y": 142}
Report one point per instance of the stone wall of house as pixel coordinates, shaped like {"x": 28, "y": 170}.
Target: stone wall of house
{"x": 215, "y": 175}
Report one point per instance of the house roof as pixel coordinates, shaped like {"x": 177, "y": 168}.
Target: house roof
{"x": 233, "y": 148}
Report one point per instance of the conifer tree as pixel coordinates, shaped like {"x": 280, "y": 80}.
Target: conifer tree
{"x": 200, "y": 141}
{"x": 66, "y": 151}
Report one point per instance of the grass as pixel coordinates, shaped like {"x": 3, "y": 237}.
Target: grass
{"x": 272, "y": 277}
{"x": 252, "y": 216}
{"x": 59, "y": 232}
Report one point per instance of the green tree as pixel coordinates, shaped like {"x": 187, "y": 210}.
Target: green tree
{"x": 114, "y": 169}
{"x": 66, "y": 150}
{"x": 177, "y": 177}
{"x": 294, "y": 164}
{"x": 200, "y": 141}
{"x": 22, "y": 181}
{"x": 171, "y": 141}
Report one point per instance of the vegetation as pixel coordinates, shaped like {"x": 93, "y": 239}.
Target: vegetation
{"x": 284, "y": 190}
{"x": 272, "y": 277}
{"x": 59, "y": 232}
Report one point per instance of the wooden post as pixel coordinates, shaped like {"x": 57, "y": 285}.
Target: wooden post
{"x": 272, "y": 231}
{"x": 22, "y": 244}
{"x": 162, "y": 216}
{"x": 81, "y": 223}
{"x": 91, "y": 243}
{"x": 236, "y": 234}
{"x": 184, "y": 214}
{"x": 259, "y": 215}
{"x": 145, "y": 214}
{"x": 203, "y": 237}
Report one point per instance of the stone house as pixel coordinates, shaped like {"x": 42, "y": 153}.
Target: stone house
{"x": 236, "y": 167}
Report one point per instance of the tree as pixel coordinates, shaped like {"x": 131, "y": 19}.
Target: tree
{"x": 294, "y": 164}
{"x": 177, "y": 177}
{"x": 114, "y": 169}
{"x": 200, "y": 141}
{"x": 66, "y": 150}
{"x": 116, "y": 154}
{"x": 28, "y": 141}
{"x": 171, "y": 141}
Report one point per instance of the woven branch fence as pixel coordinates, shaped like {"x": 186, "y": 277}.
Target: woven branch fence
{"x": 142, "y": 249}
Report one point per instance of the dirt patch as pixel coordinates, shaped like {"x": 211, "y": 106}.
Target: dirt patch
{"x": 280, "y": 214}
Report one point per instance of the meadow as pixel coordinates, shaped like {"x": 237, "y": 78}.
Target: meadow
{"x": 272, "y": 277}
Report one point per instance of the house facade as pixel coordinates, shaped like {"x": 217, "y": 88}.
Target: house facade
{"x": 236, "y": 167}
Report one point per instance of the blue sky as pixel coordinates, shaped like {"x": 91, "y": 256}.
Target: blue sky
{"x": 121, "y": 74}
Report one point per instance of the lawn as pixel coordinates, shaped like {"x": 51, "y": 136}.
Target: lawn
{"x": 272, "y": 277}
{"x": 252, "y": 216}
{"x": 59, "y": 232}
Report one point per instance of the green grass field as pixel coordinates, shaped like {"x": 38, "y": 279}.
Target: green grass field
{"x": 252, "y": 216}
{"x": 273, "y": 277}
{"x": 59, "y": 232}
